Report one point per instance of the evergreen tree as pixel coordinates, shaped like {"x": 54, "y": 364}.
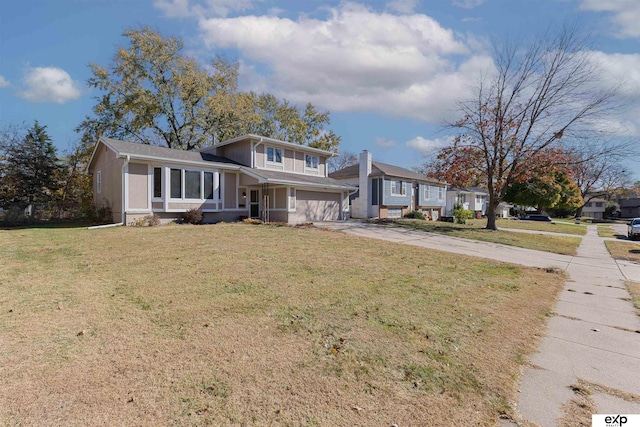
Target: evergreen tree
{"x": 31, "y": 166}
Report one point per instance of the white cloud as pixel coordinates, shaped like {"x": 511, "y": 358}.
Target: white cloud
{"x": 625, "y": 15}
{"x": 222, "y": 8}
{"x": 384, "y": 142}
{"x": 174, "y": 8}
{"x": 49, "y": 84}
{"x": 4, "y": 82}
{"x": 468, "y": 4}
{"x": 403, "y": 6}
{"x": 356, "y": 59}
{"x": 429, "y": 145}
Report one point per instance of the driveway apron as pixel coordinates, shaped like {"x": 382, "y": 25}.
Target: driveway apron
{"x": 593, "y": 335}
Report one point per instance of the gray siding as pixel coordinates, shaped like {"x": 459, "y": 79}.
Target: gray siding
{"x": 393, "y": 200}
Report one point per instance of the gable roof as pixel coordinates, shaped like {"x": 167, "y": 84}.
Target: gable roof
{"x": 380, "y": 169}
{"x": 253, "y": 137}
{"x": 138, "y": 151}
{"x": 470, "y": 190}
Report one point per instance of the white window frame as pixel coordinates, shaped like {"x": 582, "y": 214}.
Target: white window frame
{"x": 427, "y": 192}
{"x": 275, "y": 150}
{"x": 440, "y": 193}
{"x": 394, "y": 188}
{"x": 153, "y": 183}
{"x": 217, "y": 194}
{"x": 308, "y": 158}
{"x": 99, "y": 182}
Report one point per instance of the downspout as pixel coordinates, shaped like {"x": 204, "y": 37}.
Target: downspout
{"x": 253, "y": 153}
{"x": 125, "y": 168}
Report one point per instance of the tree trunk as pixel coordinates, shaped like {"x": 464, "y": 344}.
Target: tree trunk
{"x": 491, "y": 216}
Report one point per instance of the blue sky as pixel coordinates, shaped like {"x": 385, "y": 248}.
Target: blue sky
{"x": 389, "y": 71}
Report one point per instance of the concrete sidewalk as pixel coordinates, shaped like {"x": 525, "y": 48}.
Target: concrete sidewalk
{"x": 593, "y": 337}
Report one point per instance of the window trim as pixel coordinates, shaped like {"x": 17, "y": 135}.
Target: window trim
{"x": 311, "y": 157}
{"x": 441, "y": 193}
{"x": 402, "y": 192}
{"x": 217, "y": 195}
{"x": 153, "y": 183}
{"x": 99, "y": 182}
{"x": 427, "y": 192}
{"x": 275, "y": 150}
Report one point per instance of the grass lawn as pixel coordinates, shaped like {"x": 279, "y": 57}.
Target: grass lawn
{"x": 558, "y": 227}
{"x": 475, "y": 230}
{"x": 627, "y": 251}
{"x": 606, "y": 231}
{"x": 236, "y": 324}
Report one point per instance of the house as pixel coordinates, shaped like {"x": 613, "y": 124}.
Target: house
{"x": 249, "y": 176}
{"x": 386, "y": 191}
{"x": 594, "y": 208}
{"x": 629, "y": 206}
{"x": 474, "y": 199}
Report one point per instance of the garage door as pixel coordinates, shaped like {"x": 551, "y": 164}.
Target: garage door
{"x": 317, "y": 206}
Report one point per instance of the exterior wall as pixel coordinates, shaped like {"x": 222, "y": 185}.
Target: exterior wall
{"x": 392, "y": 200}
{"x": 433, "y": 200}
{"x": 138, "y": 189}
{"x": 322, "y": 166}
{"x": 260, "y": 156}
{"x": 230, "y": 190}
{"x": 279, "y": 216}
{"x": 288, "y": 160}
{"x": 592, "y": 209}
{"x": 239, "y": 152}
{"x": 110, "y": 169}
{"x": 299, "y": 162}
{"x": 187, "y": 206}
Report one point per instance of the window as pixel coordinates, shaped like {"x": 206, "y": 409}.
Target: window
{"x": 99, "y": 182}
{"x": 440, "y": 193}
{"x": 242, "y": 197}
{"x": 479, "y": 200}
{"x": 599, "y": 204}
{"x": 192, "y": 185}
{"x": 374, "y": 192}
{"x": 397, "y": 188}
{"x": 274, "y": 155}
{"x": 427, "y": 192}
{"x": 176, "y": 183}
{"x": 208, "y": 185}
{"x": 157, "y": 182}
{"x": 311, "y": 161}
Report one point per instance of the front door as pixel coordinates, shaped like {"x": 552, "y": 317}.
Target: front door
{"x": 254, "y": 203}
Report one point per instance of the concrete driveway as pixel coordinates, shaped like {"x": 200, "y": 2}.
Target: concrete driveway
{"x": 594, "y": 336}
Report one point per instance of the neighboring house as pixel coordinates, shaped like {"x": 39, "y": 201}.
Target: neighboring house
{"x": 594, "y": 208}
{"x": 629, "y": 207}
{"x": 249, "y": 176}
{"x": 386, "y": 191}
{"x": 474, "y": 199}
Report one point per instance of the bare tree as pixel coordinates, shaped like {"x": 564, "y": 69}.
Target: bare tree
{"x": 598, "y": 169}
{"x": 342, "y": 160}
{"x": 538, "y": 99}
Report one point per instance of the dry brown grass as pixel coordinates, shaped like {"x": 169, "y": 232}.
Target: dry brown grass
{"x": 240, "y": 325}
{"x": 627, "y": 251}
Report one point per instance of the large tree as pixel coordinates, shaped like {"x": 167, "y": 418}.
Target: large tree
{"x": 538, "y": 99}
{"x": 555, "y": 190}
{"x": 30, "y": 170}
{"x": 154, "y": 94}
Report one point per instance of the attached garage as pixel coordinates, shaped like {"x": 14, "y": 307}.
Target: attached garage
{"x": 316, "y": 206}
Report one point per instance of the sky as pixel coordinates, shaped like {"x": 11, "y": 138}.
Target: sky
{"x": 390, "y": 72}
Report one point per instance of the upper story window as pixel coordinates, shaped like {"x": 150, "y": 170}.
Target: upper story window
{"x": 274, "y": 155}
{"x": 599, "y": 204}
{"x": 479, "y": 200}
{"x": 440, "y": 193}
{"x": 427, "y": 192}
{"x": 311, "y": 162}
{"x": 397, "y": 188}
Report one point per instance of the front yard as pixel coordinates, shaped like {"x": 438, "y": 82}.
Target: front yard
{"x": 475, "y": 230}
{"x": 235, "y": 324}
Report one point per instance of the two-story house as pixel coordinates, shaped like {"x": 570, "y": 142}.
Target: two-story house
{"x": 387, "y": 191}
{"x": 249, "y": 176}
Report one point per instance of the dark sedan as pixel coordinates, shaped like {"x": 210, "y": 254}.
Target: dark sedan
{"x": 536, "y": 217}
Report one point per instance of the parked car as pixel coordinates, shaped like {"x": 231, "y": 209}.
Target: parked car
{"x": 633, "y": 229}
{"x": 536, "y": 217}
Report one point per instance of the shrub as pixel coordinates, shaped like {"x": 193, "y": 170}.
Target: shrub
{"x": 14, "y": 217}
{"x": 461, "y": 214}
{"x": 102, "y": 215}
{"x": 414, "y": 215}
{"x": 192, "y": 216}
